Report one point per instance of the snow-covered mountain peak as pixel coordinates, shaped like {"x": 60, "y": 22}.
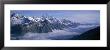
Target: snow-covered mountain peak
{"x": 44, "y": 23}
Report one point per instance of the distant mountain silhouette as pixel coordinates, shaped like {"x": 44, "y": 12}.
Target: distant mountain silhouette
{"x": 93, "y": 34}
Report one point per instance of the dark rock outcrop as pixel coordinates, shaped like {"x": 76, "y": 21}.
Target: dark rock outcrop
{"x": 93, "y": 34}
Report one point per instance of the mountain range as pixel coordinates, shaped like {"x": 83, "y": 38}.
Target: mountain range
{"x": 43, "y": 24}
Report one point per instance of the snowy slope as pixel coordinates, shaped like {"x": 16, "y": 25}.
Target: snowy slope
{"x": 43, "y": 23}
{"x": 42, "y": 28}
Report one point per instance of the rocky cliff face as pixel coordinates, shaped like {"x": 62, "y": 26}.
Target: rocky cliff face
{"x": 23, "y": 24}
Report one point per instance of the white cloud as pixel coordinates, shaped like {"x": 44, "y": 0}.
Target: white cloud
{"x": 46, "y": 36}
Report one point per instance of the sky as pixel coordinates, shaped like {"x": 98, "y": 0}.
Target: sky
{"x": 82, "y": 16}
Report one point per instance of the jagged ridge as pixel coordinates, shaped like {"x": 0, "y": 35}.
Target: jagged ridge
{"x": 23, "y": 24}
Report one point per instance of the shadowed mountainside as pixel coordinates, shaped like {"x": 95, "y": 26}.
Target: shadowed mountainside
{"x": 93, "y": 34}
